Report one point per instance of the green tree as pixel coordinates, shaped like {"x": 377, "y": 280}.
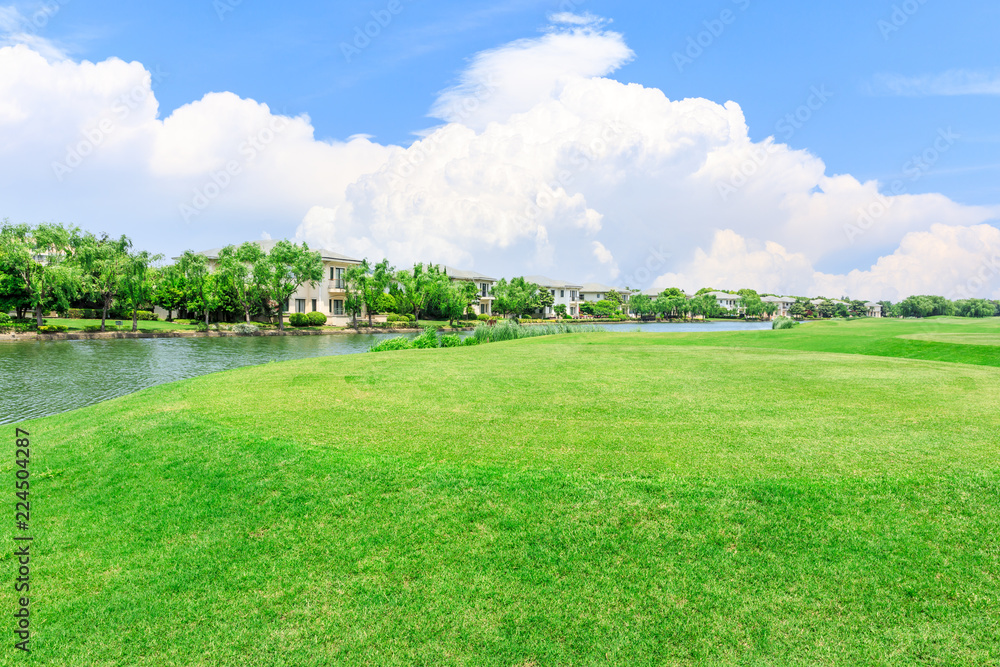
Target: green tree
{"x": 542, "y": 298}
{"x": 239, "y": 267}
{"x": 39, "y": 259}
{"x": 286, "y": 268}
{"x": 169, "y": 291}
{"x": 137, "y": 282}
{"x": 797, "y": 309}
{"x": 641, "y": 305}
{"x": 516, "y": 297}
{"x": 416, "y": 287}
{"x": 103, "y": 261}
{"x": 456, "y": 297}
{"x": 561, "y": 311}
{"x": 370, "y": 284}
{"x": 194, "y": 268}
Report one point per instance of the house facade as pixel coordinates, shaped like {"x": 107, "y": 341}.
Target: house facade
{"x": 327, "y": 297}
{"x": 484, "y": 286}
{"x": 874, "y": 309}
{"x": 726, "y": 300}
{"x": 595, "y": 292}
{"x": 783, "y": 303}
{"x": 567, "y": 294}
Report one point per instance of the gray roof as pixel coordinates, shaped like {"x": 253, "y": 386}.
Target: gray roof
{"x": 777, "y": 299}
{"x": 598, "y": 288}
{"x": 872, "y": 304}
{"x": 267, "y": 246}
{"x": 542, "y": 281}
{"x": 724, "y": 295}
{"x": 459, "y": 274}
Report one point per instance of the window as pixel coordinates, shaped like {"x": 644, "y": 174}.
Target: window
{"x": 330, "y": 309}
{"x": 338, "y": 307}
{"x": 572, "y": 310}
{"x": 572, "y": 295}
{"x": 562, "y": 293}
{"x": 340, "y": 283}
{"x": 483, "y": 308}
{"x": 288, "y": 307}
{"x": 553, "y": 292}
{"x": 314, "y": 305}
{"x": 583, "y": 297}
{"x": 484, "y": 289}
{"x": 332, "y": 276}
{"x": 300, "y": 305}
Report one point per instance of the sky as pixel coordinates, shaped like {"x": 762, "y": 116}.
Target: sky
{"x": 836, "y": 149}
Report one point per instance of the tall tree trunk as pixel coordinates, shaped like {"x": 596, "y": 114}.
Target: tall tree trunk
{"x": 135, "y": 320}
{"x": 38, "y": 314}
{"x": 247, "y": 310}
{"x": 206, "y": 317}
{"x": 104, "y": 315}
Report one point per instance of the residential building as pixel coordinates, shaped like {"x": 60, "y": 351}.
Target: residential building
{"x": 564, "y": 293}
{"x": 874, "y": 309}
{"x": 327, "y": 297}
{"x": 484, "y": 286}
{"x": 597, "y": 292}
{"x": 784, "y": 304}
{"x": 726, "y": 300}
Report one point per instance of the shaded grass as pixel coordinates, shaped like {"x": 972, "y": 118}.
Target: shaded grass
{"x": 581, "y": 499}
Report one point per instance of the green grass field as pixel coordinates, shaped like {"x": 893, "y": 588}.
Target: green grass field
{"x": 825, "y": 495}
{"x": 148, "y": 325}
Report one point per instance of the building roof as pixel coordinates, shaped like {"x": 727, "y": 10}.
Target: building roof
{"x": 872, "y": 304}
{"x": 724, "y": 295}
{"x": 598, "y": 288}
{"x": 777, "y": 299}
{"x": 267, "y": 246}
{"x": 542, "y": 281}
{"x": 459, "y": 274}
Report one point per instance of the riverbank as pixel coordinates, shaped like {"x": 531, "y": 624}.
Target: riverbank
{"x": 129, "y": 335}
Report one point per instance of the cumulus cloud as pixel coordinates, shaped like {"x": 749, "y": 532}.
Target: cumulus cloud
{"x": 543, "y": 165}
{"x": 954, "y": 261}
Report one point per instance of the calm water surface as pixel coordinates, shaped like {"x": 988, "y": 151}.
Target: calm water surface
{"x": 41, "y": 378}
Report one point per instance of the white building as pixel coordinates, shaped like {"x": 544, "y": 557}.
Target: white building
{"x": 484, "y": 285}
{"x": 564, "y": 293}
{"x": 327, "y": 297}
{"x": 874, "y": 309}
{"x": 726, "y": 300}
{"x": 784, "y": 304}
{"x": 595, "y": 292}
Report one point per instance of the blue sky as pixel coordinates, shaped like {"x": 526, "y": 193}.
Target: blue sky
{"x": 289, "y": 57}
{"x": 885, "y": 80}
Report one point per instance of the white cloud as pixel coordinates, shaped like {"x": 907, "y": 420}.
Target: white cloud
{"x": 953, "y": 261}
{"x": 16, "y": 28}
{"x": 950, "y": 83}
{"x": 556, "y": 170}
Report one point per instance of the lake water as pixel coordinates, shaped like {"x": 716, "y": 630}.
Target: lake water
{"x": 41, "y": 378}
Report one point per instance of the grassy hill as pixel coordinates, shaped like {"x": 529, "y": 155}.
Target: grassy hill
{"x": 825, "y": 495}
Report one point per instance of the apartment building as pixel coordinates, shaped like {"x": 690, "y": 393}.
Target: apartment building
{"x": 484, "y": 285}
{"x": 564, "y": 293}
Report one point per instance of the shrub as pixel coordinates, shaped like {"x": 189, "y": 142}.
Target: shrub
{"x": 484, "y": 318}
{"x": 470, "y": 341}
{"x": 391, "y": 345}
{"x": 316, "y": 319}
{"x": 92, "y": 328}
{"x": 427, "y": 340}
{"x": 298, "y": 320}
{"x": 451, "y": 340}
{"x": 245, "y": 329}
{"x": 54, "y": 328}
{"x": 146, "y": 316}
{"x": 201, "y": 326}
{"x": 783, "y": 323}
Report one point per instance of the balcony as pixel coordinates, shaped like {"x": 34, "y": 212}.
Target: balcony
{"x": 338, "y": 285}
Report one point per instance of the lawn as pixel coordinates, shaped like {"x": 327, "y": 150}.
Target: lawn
{"x": 147, "y": 325}
{"x": 824, "y": 495}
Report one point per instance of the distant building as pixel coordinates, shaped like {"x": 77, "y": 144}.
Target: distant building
{"x": 327, "y": 297}
{"x": 726, "y": 300}
{"x": 564, "y": 293}
{"x": 874, "y": 309}
{"x": 484, "y": 285}
{"x": 783, "y": 303}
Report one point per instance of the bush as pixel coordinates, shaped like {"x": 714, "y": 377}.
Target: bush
{"x": 298, "y": 320}
{"x": 783, "y": 323}
{"x": 316, "y": 319}
{"x": 470, "y": 341}
{"x": 80, "y": 314}
{"x": 201, "y": 327}
{"x": 391, "y": 345}
{"x": 484, "y": 318}
{"x": 55, "y": 328}
{"x": 245, "y": 329}
{"x": 427, "y": 340}
{"x": 146, "y": 316}
{"x": 451, "y": 340}
{"x": 395, "y": 317}
{"x": 92, "y": 328}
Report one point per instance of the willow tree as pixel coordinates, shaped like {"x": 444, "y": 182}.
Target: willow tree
{"x": 40, "y": 260}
